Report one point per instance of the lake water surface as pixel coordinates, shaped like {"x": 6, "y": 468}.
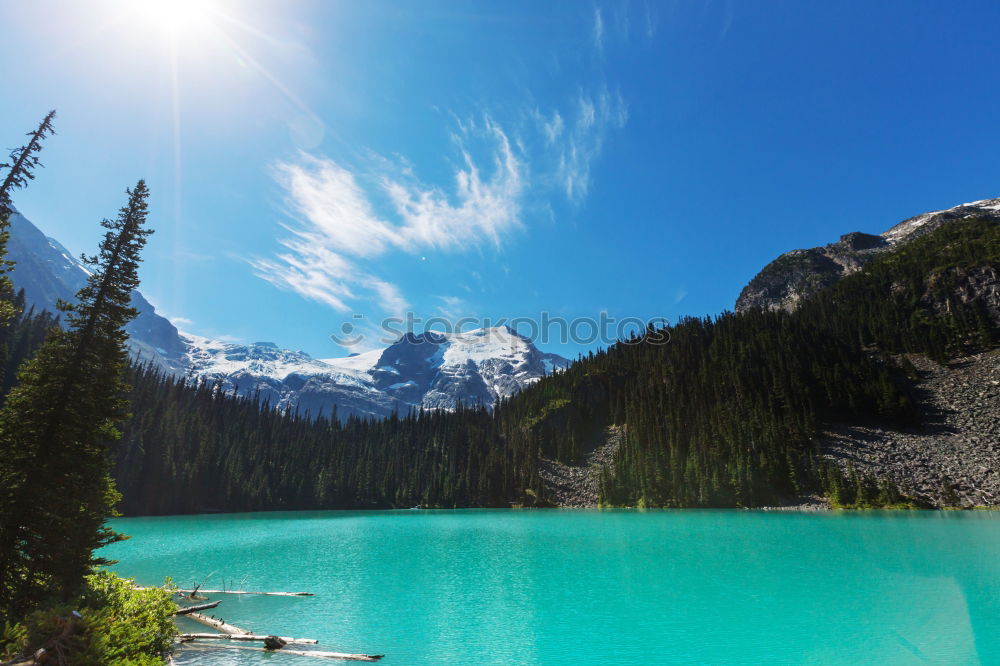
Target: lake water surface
{"x": 594, "y": 587}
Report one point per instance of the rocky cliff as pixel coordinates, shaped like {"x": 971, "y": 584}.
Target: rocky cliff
{"x": 796, "y": 275}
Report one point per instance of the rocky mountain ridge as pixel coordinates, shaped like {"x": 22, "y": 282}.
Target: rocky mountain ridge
{"x": 796, "y": 275}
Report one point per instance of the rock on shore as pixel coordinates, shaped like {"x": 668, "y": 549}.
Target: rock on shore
{"x": 576, "y": 486}
{"x": 953, "y": 459}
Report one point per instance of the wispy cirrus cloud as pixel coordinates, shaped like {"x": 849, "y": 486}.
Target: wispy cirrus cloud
{"x": 598, "y": 31}
{"x": 336, "y": 228}
{"x": 594, "y": 117}
{"x": 335, "y": 211}
{"x": 553, "y": 128}
{"x": 481, "y": 209}
{"x": 452, "y": 308}
{"x": 313, "y": 271}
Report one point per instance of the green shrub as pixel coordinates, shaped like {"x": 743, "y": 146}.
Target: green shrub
{"x": 111, "y": 623}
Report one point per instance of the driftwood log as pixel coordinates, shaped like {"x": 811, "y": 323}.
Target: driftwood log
{"x": 266, "y": 594}
{"x": 196, "y": 592}
{"x": 251, "y": 638}
{"x": 229, "y": 632}
{"x": 301, "y": 653}
{"x": 333, "y": 655}
{"x": 218, "y": 625}
{"x": 192, "y": 609}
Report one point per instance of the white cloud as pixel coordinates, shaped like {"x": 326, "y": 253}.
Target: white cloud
{"x": 338, "y": 212}
{"x": 598, "y": 32}
{"x": 553, "y": 128}
{"x": 613, "y": 25}
{"x": 452, "y": 308}
{"x": 595, "y": 116}
{"x": 337, "y": 230}
{"x": 311, "y": 271}
{"x": 390, "y": 298}
{"x": 650, "y": 22}
{"x": 485, "y": 209}
{"x": 180, "y": 322}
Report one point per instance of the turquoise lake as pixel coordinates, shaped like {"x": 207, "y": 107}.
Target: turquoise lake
{"x": 593, "y": 587}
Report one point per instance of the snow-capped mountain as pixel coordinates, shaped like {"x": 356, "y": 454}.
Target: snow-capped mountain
{"x": 429, "y": 370}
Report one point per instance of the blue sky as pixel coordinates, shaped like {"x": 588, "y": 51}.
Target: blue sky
{"x": 315, "y": 160}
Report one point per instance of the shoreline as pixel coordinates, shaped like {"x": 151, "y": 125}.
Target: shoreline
{"x": 803, "y": 507}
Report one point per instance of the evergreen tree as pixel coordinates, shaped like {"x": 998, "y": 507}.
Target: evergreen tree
{"x": 20, "y": 169}
{"x": 56, "y": 490}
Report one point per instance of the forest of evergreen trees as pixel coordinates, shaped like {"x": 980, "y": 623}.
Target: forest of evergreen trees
{"x": 725, "y": 414}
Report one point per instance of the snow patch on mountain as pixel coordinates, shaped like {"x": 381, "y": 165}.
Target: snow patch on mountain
{"x": 212, "y": 357}
{"x": 356, "y": 362}
{"x": 926, "y": 222}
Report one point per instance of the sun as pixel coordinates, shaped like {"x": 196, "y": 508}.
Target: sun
{"x": 174, "y": 16}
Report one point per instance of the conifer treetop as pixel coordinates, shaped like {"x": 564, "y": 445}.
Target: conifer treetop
{"x": 23, "y": 162}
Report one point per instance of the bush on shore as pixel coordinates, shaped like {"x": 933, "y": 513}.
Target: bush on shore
{"x": 112, "y": 622}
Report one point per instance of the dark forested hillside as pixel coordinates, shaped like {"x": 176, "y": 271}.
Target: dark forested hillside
{"x": 725, "y": 413}
{"x": 192, "y": 449}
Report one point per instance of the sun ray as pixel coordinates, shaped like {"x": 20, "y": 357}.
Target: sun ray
{"x": 175, "y": 103}
{"x": 264, "y": 72}
{"x": 107, "y": 27}
{"x": 246, "y": 27}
